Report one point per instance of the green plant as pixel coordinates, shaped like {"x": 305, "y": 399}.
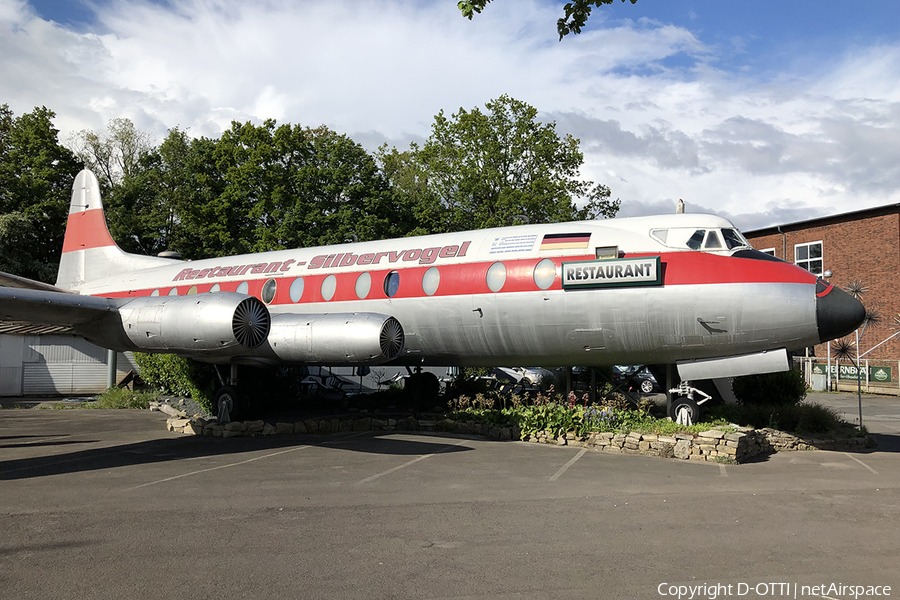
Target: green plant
{"x": 803, "y": 418}
{"x": 122, "y": 398}
{"x": 179, "y": 376}
{"x": 784, "y": 388}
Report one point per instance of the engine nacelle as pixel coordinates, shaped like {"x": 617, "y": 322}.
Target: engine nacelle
{"x": 215, "y": 325}
{"x": 335, "y": 339}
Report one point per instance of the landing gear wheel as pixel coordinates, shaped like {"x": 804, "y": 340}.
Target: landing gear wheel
{"x": 227, "y": 404}
{"x": 646, "y": 386}
{"x": 684, "y": 411}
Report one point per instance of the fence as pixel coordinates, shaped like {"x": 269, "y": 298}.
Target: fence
{"x": 873, "y": 376}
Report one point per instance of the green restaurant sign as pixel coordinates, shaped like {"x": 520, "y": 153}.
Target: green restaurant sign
{"x": 876, "y": 374}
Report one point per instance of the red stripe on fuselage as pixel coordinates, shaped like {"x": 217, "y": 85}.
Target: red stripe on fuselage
{"x": 86, "y": 229}
{"x": 679, "y": 268}
{"x": 690, "y": 268}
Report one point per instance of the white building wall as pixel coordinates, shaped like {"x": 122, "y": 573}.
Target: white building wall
{"x": 55, "y": 364}
{"x": 11, "y": 352}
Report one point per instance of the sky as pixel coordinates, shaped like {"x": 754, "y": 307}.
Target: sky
{"x": 765, "y": 112}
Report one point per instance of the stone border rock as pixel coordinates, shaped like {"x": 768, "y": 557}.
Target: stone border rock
{"x": 715, "y": 445}
{"x": 735, "y": 445}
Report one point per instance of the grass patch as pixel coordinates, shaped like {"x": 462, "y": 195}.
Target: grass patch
{"x": 122, "y": 398}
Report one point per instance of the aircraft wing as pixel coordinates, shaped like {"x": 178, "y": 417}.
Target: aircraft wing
{"x": 52, "y": 307}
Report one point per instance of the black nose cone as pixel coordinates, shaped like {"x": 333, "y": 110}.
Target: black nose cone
{"x": 837, "y": 312}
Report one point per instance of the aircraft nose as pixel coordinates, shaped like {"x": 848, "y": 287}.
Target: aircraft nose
{"x": 837, "y": 312}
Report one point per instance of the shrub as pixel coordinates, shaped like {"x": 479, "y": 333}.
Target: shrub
{"x": 803, "y": 418}
{"x": 178, "y": 376}
{"x": 784, "y": 388}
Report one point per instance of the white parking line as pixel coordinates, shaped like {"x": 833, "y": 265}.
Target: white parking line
{"x": 722, "y": 471}
{"x": 408, "y": 463}
{"x": 851, "y": 457}
{"x": 566, "y": 466}
{"x": 243, "y": 462}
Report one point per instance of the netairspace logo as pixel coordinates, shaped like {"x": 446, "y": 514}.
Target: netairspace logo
{"x": 785, "y": 590}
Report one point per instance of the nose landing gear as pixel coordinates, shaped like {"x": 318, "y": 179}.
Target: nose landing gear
{"x": 684, "y": 408}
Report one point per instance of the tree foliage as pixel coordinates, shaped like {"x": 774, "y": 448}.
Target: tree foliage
{"x": 36, "y": 174}
{"x": 173, "y": 374}
{"x": 494, "y": 168}
{"x": 113, "y": 155}
{"x": 270, "y": 186}
{"x": 576, "y": 13}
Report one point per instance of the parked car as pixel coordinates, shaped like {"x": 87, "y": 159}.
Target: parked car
{"x": 531, "y": 376}
{"x": 641, "y": 378}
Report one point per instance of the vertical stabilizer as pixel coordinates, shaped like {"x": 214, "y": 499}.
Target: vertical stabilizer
{"x": 89, "y": 251}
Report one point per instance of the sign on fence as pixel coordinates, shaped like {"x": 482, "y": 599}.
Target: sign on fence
{"x": 876, "y": 374}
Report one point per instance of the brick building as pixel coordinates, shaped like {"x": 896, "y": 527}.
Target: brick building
{"x": 861, "y": 246}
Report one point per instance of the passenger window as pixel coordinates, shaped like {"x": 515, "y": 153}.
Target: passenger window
{"x": 391, "y": 284}
{"x": 329, "y": 287}
{"x": 268, "y": 291}
{"x": 363, "y": 284}
{"x": 696, "y": 240}
{"x": 431, "y": 280}
{"x": 296, "y": 289}
{"x": 545, "y": 274}
{"x": 496, "y": 276}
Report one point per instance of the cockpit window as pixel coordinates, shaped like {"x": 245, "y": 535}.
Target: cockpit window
{"x": 696, "y": 239}
{"x": 733, "y": 239}
{"x": 712, "y": 241}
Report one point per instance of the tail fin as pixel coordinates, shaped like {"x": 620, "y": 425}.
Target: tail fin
{"x": 89, "y": 251}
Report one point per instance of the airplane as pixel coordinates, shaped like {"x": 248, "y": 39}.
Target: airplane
{"x": 685, "y": 291}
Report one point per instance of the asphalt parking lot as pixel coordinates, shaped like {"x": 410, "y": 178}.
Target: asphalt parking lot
{"x": 108, "y": 504}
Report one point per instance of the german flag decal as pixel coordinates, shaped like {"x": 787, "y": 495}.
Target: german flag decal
{"x": 560, "y": 241}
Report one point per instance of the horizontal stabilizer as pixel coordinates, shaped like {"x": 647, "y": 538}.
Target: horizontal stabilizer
{"x": 14, "y": 281}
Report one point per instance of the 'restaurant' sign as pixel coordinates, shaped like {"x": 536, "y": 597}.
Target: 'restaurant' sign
{"x": 611, "y": 273}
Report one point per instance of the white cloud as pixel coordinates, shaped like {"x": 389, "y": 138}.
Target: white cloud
{"x": 657, "y": 121}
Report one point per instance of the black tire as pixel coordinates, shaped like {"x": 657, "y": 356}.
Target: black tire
{"x": 227, "y": 396}
{"x": 646, "y": 386}
{"x": 684, "y": 403}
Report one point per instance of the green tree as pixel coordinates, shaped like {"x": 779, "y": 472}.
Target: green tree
{"x": 489, "y": 169}
{"x": 576, "y": 13}
{"x": 269, "y": 187}
{"x": 134, "y": 178}
{"x": 17, "y": 238}
{"x": 36, "y": 174}
{"x": 114, "y": 155}
{"x": 144, "y": 208}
